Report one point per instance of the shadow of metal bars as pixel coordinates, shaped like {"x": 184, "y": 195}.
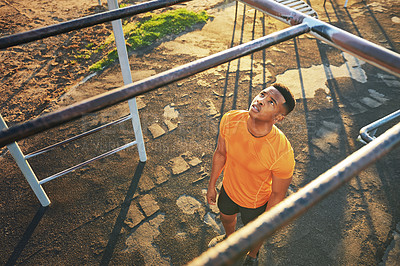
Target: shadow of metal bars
{"x": 238, "y": 243}
{"x": 296, "y": 204}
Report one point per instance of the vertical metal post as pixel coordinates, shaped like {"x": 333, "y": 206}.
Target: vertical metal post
{"x": 26, "y": 169}
{"x": 127, "y": 77}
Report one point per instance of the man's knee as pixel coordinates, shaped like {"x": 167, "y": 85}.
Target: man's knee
{"x": 227, "y": 218}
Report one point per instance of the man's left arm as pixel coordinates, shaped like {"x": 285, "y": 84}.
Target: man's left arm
{"x": 279, "y": 189}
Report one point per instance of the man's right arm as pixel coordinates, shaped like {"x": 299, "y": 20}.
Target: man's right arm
{"x": 218, "y": 164}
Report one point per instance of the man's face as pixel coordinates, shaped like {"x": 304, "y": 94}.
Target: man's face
{"x": 268, "y": 105}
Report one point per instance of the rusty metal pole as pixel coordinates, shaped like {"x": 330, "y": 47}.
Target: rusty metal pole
{"x": 84, "y": 22}
{"x": 374, "y": 54}
{"x": 127, "y": 92}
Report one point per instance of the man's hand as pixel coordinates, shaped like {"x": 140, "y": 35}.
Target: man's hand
{"x": 218, "y": 164}
{"x": 279, "y": 189}
{"x": 212, "y": 196}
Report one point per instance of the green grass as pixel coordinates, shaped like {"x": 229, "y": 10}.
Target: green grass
{"x": 142, "y": 34}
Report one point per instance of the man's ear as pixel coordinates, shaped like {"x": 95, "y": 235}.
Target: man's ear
{"x": 278, "y": 118}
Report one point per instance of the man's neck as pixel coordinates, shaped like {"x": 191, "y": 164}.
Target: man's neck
{"x": 258, "y": 128}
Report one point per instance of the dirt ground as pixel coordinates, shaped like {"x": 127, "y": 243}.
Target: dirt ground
{"x": 86, "y": 222}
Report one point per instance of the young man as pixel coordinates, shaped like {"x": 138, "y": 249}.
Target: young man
{"x": 257, "y": 160}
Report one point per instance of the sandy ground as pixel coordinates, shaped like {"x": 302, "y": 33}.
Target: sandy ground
{"x": 94, "y": 211}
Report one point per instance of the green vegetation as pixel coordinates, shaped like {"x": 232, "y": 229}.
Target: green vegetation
{"x": 145, "y": 33}
{"x": 90, "y": 45}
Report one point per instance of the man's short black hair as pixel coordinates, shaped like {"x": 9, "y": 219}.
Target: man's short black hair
{"x": 287, "y": 94}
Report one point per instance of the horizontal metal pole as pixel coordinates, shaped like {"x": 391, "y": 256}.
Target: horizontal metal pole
{"x": 296, "y": 204}
{"x": 279, "y": 11}
{"x": 84, "y": 134}
{"x": 127, "y": 92}
{"x": 364, "y": 132}
{"x": 84, "y": 22}
{"x": 73, "y": 168}
{"x": 374, "y": 54}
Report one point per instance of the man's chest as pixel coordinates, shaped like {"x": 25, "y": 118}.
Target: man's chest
{"x": 253, "y": 155}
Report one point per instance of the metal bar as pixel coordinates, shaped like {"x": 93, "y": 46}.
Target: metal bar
{"x": 137, "y": 129}
{"x": 295, "y": 5}
{"x": 26, "y": 169}
{"x": 277, "y": 10}
{"x": 296, "y": 204}
{"x": 303, "y": 10}
{"x": 127, "y": 77}
{"x": 84, "y": 134}
{"x": 73, "y": 168}
{"x": 126, "y": 92}
{"x": 373, "y": 132}
{"x": 287, "y": 2}
{"x": 364, "y": 132}
{"x": 374, "y": 54}
{"x": 84, "y": 22}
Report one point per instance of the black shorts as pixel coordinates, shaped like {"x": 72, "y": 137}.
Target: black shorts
{"x": 228, "y": 207}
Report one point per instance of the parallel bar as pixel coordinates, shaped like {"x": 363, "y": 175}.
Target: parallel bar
{"x": 83, "y": 22}
{"x": 126, "y": 92}
{"x": 73, "y": 168}
{"x": 372, "y": 53}
{"x": 298, "y": 203}
{"x": 84, "y": 134}
{"x": 376, "y": 55}
{"x": 304, "y": 9}
{"x": 277, "y": 10}
{"x": 364, "y": 132}
{"x": 296, "y": 5}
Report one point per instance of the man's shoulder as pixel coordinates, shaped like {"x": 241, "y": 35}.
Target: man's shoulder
{"x": 281, "y": 140}
{"x": 233, "y": 121}
{"x": 236, "y": 114}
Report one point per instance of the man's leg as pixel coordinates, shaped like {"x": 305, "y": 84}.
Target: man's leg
{"x": 247, "y": 216}
{"x": 254, "y": 251}
{"x": 228, "y": 212}
{"x": 229, "y": 223}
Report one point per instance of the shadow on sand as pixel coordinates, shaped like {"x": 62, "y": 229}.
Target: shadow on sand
{"x": 26, "y": 236}
{"x": 112, "y": 242}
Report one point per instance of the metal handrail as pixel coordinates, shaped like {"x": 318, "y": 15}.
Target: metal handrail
{"x": 84, "y": 134}
{"x": 83, "y": 22}
{"x": 126, "y": 92}
{"x": 296, "y": 204}
{"x": 365, "y": 131}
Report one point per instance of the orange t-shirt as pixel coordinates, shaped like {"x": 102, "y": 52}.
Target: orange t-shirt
{"x": 251, "y": 161}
